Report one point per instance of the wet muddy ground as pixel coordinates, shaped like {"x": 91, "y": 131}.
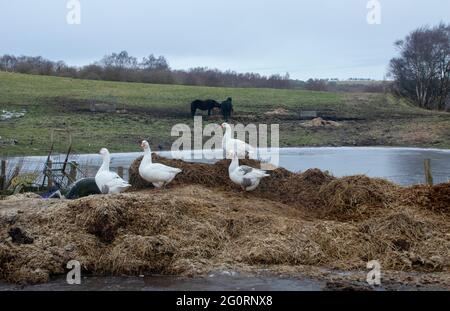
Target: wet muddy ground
{"x": 216, "y": 281}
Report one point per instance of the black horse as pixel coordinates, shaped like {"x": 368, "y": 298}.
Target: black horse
{"x": 227, "y": 108}
{"x": 208, "y": 104}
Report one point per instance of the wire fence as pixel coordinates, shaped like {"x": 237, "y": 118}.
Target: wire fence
{"x": 86, "y": 166}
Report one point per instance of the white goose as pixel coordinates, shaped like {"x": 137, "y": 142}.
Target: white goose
{"x": 109, "y": 182}
{"x": 158, "y": 174}
{"x": 245, "y": 176}
{"x": 231, "y": 145}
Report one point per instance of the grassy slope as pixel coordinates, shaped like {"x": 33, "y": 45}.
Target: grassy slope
{"x": 54, "y": 103}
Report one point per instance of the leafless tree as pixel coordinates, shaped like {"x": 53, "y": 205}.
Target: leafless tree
{"x": 422, "y": 71}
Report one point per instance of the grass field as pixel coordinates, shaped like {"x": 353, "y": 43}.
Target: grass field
{"x": 152, "y": 110}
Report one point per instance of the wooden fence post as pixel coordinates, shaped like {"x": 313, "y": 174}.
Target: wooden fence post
{"x": 49, "y": 174}
{"x": 3, "y": 175}
{"x": 428, "y": 174}
{"x": 120, "y": 171}
{"x": 73, "y": 172}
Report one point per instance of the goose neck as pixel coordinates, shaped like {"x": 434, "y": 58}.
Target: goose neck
{"x": 105, "y": 164}
{"x": 234, "y": 164}
{"x": 227, "y": 135}
{"x": 147, "y": 156}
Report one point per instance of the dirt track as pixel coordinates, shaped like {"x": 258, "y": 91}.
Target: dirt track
{"x": 192, "y": 228}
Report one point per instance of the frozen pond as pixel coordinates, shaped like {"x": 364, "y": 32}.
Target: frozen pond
{"x": 401, "y": 165}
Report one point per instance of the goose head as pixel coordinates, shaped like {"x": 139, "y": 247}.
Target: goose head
{"x": 104, "y": 152}
{"x": 145, "y": 145}
{"x": 226, "y": 126}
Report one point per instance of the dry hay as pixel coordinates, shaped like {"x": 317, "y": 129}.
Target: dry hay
{"x": 403, "y": 241}
{"x": 123, "y": 234}
{"x": 202, "y": 222}
{"x": 136, "y": 254}
{"x": 279, "y": 241}
{"x": 103, "y": 217}
{"x": 22, "y": 196}
{"x": 215, "y": 175}
{"x": 282, "y": 185}
{"x": 304, "y": 188}
{"x": 354, "y": 196}
{"x": 319, "y": 122}
{"x": 440, "y": 198}
{"x": 277, "y": 112}
{"x": 435, "y": 198}
{"x": 317, "y": 192}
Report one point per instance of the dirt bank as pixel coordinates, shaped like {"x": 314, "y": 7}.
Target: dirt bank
{"x": 202, "y": 222}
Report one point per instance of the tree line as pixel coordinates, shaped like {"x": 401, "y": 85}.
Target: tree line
{"x": 420, "y": 73}
{"x": 349, "y": 86}
{"x": 124, "y": 67}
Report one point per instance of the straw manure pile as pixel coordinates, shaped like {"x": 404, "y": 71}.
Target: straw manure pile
{"x": 282, "y": 185}
{"x": 202, "y": 222}
{"x": 351, "y": 197}
{"x": 436, "y": 198}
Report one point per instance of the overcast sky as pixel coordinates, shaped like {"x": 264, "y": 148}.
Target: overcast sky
{"x": 307, "y": 38}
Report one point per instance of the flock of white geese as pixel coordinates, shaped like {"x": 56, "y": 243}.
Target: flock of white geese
{"x": 248, "y": 178}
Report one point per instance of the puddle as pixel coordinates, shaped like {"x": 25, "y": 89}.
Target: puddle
{"x": 217, "y": 281}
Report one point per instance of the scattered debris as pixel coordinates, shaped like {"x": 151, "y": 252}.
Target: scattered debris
{"x": 277, "y": 112}
{"x": 22, "y": 196}
{"x": 319, "y": 122}
{"x": 11, "y": 141}
{"x": 7, "y": 115}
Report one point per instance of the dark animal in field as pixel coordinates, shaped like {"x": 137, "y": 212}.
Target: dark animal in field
{"x": 227, "y": 108}
{"x": 208, "y": 104}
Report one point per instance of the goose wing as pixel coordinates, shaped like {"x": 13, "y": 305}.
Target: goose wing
{"x": 157, "y": 172}
{"x": 110, "y": 182}
{"x": 251, "y": 172}
{"x": 165, "y": 168}
{"x": 236, "y": 145}
{"x": 116, "y": 180}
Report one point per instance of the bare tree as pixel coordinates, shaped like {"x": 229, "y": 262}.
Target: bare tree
{"x": 316, "y": 85}
{"x": 8, "y": 62}
{"x": 154, "y": 63}
{"x": 422, "y": 71}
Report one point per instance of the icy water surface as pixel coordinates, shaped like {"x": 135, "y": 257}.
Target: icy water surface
{"x": 404, "y": 166}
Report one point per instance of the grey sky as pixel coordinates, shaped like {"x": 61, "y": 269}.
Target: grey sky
{"x": 307, "y": 38}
